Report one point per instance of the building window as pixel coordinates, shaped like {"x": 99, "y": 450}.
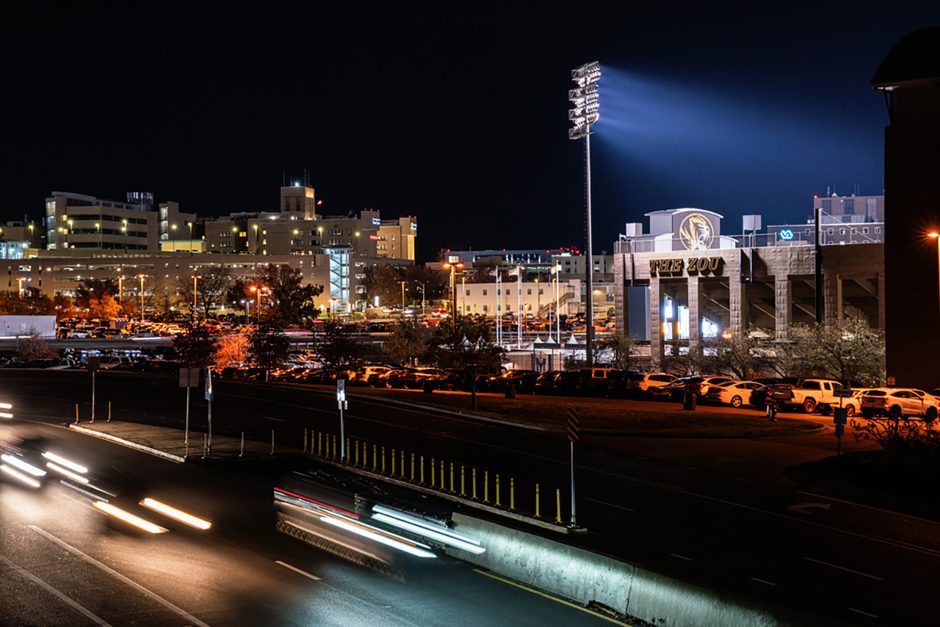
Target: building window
{"x": 484, "y": 292}
{"x": 468, "y": 292}
{"x": 877, "y": 230}
{"x": 528, "y": 291}
{"x": 864, "y": 230}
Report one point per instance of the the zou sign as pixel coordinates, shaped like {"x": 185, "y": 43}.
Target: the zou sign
{"x": 695, "y": 265}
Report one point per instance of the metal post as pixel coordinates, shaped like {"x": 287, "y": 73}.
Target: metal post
{"x": 186, "y": 422}
{"x": 272, "y": 441}
{"x": 519, "y": 303}
{"x": 93, "y": 395}
{"x": 241, "y": 450}
{"x": 109, "y": 411}
{"x": 819, "y": 281}
{"x": 574, "y": 517}
{"x": 76, "y": 413}
{"x": 342, "y": 434}
{"x": 210, "y": 424}
{"x": 589, "y": 261}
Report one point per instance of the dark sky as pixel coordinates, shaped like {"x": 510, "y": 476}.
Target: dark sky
{"x": 456, "y": 113}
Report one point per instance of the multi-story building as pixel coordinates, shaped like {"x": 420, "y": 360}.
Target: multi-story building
{"x": 396, "y": 238}
{"x": 85, "y": 222}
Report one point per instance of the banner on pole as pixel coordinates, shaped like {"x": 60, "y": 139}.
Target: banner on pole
{"x": 208, "y": 384}
{"x": 574, "y": 425}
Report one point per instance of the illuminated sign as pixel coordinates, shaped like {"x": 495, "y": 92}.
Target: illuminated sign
{"x": 695, "y": 265}
{"x": 377, "y": 221}
{"x": 786, "y": 234}
{"x": 695, "y": 232}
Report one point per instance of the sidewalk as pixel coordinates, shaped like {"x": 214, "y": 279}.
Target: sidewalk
{"x": 167, "y": 443}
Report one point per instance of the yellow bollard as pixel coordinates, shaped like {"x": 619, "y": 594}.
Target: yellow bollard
{"x": 486, "y": 486}
{"x": 537, "y": 500}
{"x": 421, "y": 469}
{"x": 319, "y": 443}
{"x": 383, "y": 460}
{"x": 443, "y": 478}
{"x": 357, "y": 453}
{"x": 305, "y": 441}
{"x": 393, "y": 462}
{"x": 346, "y": 459}
{"x": 473, "y": 486}
{"x": 412, "y": 468}
{"x": 402, "y": 466}
{"x": 452, "y": 477}
{"x": 558, "y": 506}
{"x": 334, "y": 447}
{"x": 512, "y": 494}
{"x": 461, "y": 481}
{"x": 375, "y": 455}
{"x": 76, "y": 413}
{"x": 497, "y": 489}
{"x": 432, "y": 473}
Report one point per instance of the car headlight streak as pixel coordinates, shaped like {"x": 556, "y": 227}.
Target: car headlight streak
{"x": 129, "y": 518}
{"x": 16, "y": 474}
{"x": 61, "y": 461}
{"x": 176, "y": 514}
{"x": 74, "y": 476}
{"x": 22, "y": 465}
{"x": 425, "y": 529}
{"x": 382, "y": 537}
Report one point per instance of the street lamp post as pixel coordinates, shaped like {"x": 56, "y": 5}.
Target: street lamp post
{"x": 453, "y": 266}
{"x": 421, "y": 283}
{"x": 556, "y": 271}
{"x": 141, "y": 277}
{"x": 196, "y": 278}
{"x": 584, "y": 113}
{"x": 403, "y": 297}
{"x": 258, "y": 289}
{"x": 19, "y": 283}
{"x": 120, "y": 288}
{"x": 935, "y": 235}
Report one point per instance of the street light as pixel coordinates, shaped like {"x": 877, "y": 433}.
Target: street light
{"x": 453, "y": 288}
{"x": 19, "y": 283}
{"x": 141, "y": 277}
{"x": 584, "y": 113}
{"x": 120, "y": 288}
{"x": 403, "y": 297}
{"x": 196, "y": 278}
{"x": 935, "y": 235}
{"x": 422, "y": 297}
{"x": 258, "y": 290}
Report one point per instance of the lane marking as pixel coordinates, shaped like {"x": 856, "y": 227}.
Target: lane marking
{"x": 763, "y": 581}
{"x": 72, "y": 603}
{"x": 273, "y": 419}
{"x": 871, "y": 507}
{"x": 623, "y": 507}
{"x": 848, "y": 570}
{"x": 681, "y": 557}
{"x": 107, "y": 569}
{"x": 858, "y": 611}
{"x": 297, "y": 570}
{"x": 548, "y": 596}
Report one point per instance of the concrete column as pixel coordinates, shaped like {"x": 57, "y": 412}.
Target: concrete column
{"x": 782, "y": 299}
{"x": 832, "y": 297}
{"x": 737, "y": 305}
{"x": 880, "y": 280}
{"x": 656, "y": 325}
{"x": 695, "y": 321}
{"x": 621, "y": 302}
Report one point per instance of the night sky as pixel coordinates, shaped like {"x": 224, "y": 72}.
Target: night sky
{"x": 456, "y": 114}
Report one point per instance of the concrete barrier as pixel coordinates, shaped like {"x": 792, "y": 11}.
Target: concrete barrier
{"x": 580, "y": 575}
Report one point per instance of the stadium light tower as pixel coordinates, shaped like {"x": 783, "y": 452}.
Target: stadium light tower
{"x": 585, "y": 111}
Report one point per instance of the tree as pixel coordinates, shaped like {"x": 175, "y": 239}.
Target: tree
{"x": 436, "y": 283}
{"x": 63, "y": 306}
{"x": 33, "y": 348}
{"x": 195, "y": 347}
{"x": 231, "y": 350}
{"x": 741, "y": 355}
{"x": 31, "y": 302}
{"x": 410, "y": 341}
{"x": 268, "y": 346}
{"x": 103, "y": 307}
{"x": 93, "y": 288}
{"x": 212, "y": 288}
{"x": 336, "y": 346}
{"x": 384, "y": 282}
{"x": 846, "y": 350}
{"x": 289, "y": 302}
{"x": 467, "y": 345}
{"x": 616, "y": 350}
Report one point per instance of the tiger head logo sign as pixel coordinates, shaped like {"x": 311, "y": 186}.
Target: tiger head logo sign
{"x": 695, "y": 232}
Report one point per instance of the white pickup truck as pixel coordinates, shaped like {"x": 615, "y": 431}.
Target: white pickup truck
{"x": 811, "y": 394}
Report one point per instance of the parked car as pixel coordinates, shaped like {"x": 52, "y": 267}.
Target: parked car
{"x": 545, "y": 383}
{"x": 734, "y": 393}
{"x": 523, "y": 381}
{"x": 781, "y": 393}
{"x": 810, "y": 393}
{"x": 640, "y": 383}
{"x": 568, "y": 383}
{"x": 595, "y": 381}
{"x": 899, "y": 403}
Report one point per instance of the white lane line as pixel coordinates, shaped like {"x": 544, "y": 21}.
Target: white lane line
{"x": 272, "y": 419}
{"x": 858, "y": 611}
{"x": 681, "y": 557}
{"x": 623, "y": 507}
{"x": 763, "y": 581}
{"x": 107, "y": 569}
{"x": 72, "y": 603}
{"x": 848, "y": 570}
{"x": 742, "y": 479}
{"x": 871, "y": 507}
{"x": 297, "y": 570}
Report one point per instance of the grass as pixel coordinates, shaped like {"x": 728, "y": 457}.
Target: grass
{"x": 611, "y": 416}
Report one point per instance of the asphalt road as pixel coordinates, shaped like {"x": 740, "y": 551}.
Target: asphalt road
{"x": 64, "y": 563}
{"x": 715, "y": 524}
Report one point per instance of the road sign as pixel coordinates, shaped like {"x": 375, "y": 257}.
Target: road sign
{"x": 840, "y": 415}
{"x": 189, "y": 377}
{"x": 574, "y": 425}
{"x": 341, "y": 390}
{"x": 840, "y": 430}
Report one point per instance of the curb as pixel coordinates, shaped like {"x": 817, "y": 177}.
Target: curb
{"x": 132, "y": 445}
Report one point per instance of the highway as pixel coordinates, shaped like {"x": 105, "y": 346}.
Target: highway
{"x": 63, "y": 562}
{"x": 779, "y": 544}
